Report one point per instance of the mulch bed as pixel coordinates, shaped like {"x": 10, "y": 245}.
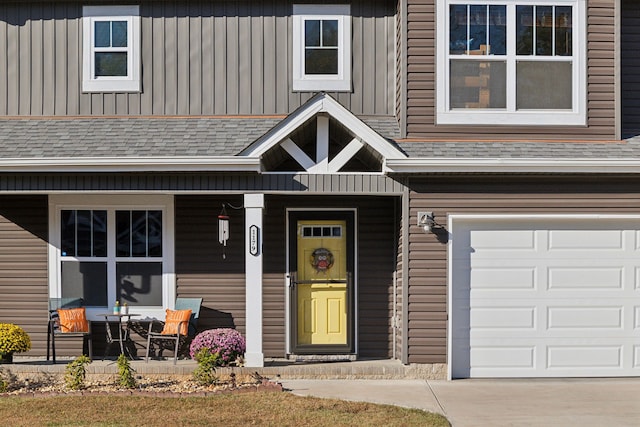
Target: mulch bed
{"x": 48, "y": 385}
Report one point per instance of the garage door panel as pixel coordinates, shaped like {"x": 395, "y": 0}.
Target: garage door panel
{"x": 503, "y": 357}
{"x": 586, "y": 318}
{"x": 583, "y": 240}
{"x": 636, "y": 356}
{"x": 521, "y": 318}
{"x": 583, "y": 356}
{"x": 513, "y": 240}
{"x": 546, "y": 298}
{"x": 586, "y": 277}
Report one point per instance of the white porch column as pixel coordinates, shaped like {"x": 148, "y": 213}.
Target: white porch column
{"x": 254, "y": 205}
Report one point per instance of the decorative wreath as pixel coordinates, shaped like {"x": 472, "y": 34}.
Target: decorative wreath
{"x": 322, "y": 260}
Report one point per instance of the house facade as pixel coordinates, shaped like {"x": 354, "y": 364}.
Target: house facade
{"x": 447, "y": 183}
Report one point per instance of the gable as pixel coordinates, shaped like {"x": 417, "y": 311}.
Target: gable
{"x": 323, "y": 137}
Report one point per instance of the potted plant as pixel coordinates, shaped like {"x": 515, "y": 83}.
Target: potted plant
{"x": 13, "y": 339}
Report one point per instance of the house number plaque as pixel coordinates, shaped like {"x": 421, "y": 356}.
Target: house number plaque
{"x": 254, "y": 240}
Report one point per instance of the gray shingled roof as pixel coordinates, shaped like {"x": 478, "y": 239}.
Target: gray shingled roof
{"x": 625, "y": 149}
{"x": 142, "y": 137}
{"x": 225, "y": 136}
{"x": 129, "y": 137}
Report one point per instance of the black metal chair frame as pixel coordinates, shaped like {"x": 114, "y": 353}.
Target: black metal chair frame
{"x": 181, "y": 304}
{"x": 53, "y": 326}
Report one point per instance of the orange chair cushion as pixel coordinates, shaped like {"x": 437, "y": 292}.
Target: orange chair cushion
{"x": 173, "y": 319}
{"x": 73, "y": 320}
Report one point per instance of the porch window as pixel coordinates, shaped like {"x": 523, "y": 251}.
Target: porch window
{"x": 110, "y": 253}
{"x": 512, "y": 62}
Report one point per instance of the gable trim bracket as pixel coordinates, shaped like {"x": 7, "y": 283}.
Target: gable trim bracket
{"x": 322, "y": 103}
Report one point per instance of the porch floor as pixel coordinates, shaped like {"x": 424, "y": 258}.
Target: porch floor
{"x": 274, "y": 368}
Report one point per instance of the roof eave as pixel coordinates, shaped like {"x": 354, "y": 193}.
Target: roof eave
{"x": 509, "y": 165}
{"x": 132, "y": 164}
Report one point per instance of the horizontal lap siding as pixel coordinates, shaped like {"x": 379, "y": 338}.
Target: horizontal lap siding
{"x": 399, "y": 320}
{"x": 427, "y": 301}
{"x": 201, "y": 270}
{"x": 24, "y": 289}
{"x": 198, "y": 58}
{"x": 421, "y": 82}
{"x": 377, "y": 252}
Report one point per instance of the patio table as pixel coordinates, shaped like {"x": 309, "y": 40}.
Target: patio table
{"x": 123, "y": 330}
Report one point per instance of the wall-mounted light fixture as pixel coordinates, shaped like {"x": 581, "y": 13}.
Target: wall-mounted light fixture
{"x": 426, "y": 220}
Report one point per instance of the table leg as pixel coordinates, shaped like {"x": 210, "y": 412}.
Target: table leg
{"x": 109, "y": 337}
{"x": 120, "y": 335}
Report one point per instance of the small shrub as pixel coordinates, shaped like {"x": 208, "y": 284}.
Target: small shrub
{"x": 8, "y": 381}
{"x": 76, "y": 372}
{"x": 204, "y": 374}
{"x": 125, "y": 373}
{"x": 228, "y": 343}
{"x": 13, "y": 339}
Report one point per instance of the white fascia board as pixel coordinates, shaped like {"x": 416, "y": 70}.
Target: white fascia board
{"x": 290, "y": 124}
{"x": 504, "y": 165}
{"x": 131, "y": 164}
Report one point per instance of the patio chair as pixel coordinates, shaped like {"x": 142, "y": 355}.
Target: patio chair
{"x": 67, "y": 319}
{"x": 179, "y": 324}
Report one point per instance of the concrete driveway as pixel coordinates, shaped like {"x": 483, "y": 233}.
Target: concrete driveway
{"x": 539, "y": 402}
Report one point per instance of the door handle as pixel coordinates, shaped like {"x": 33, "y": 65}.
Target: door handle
{"x": 291, "y": 283}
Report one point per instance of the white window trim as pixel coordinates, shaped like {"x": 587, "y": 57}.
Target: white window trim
{"x": 130, "y": 83}
{"x": 308, "y": 82}
{"x": 58, "y": 203}
{"x": 577, "y": 116}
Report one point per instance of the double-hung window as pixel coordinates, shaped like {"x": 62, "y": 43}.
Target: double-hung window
{"x": 112, "y": 252}
{"x": 111, "y": 49}
{"x": 322, "y": 47}
{"x": 511, "y": 62}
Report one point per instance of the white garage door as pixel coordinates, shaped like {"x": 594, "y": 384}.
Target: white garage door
{"x": 545, "y": 297}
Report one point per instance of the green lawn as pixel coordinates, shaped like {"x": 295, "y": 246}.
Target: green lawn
{"x": 261, "y": 409}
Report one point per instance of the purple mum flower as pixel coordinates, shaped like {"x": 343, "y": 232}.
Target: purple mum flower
{"x": 227, "y": 342}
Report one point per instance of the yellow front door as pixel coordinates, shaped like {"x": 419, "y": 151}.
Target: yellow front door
{"x": 322, "y": 282}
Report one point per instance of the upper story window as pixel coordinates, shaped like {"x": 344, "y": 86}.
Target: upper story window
{"x": 512, "y": 62}
{"x": 322, "y": 47}
{"x": 111, "y": 49}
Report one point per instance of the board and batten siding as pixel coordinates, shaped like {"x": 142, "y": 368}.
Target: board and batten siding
{"x": 24, "y": 288}
{"x": 198, "y": 58}
{"x": 427, "y": 304}
{"x": 421, "y": 82}
{"x": 211, "y": 182}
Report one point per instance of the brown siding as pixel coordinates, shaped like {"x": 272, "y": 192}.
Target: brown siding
{"x": 421, "y": 82}
{"x": 428, "y": 262}
{"x": 201, "y": 271}
{"x": 198, "y": 58}
{"x": 630, "y": 43}
{"x": 190, "y": 182}
{"x": 400, "y": 65}
{"x": 23, "y": 266}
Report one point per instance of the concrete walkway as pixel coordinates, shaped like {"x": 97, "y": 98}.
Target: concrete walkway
{"x": 564, "y": 402}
